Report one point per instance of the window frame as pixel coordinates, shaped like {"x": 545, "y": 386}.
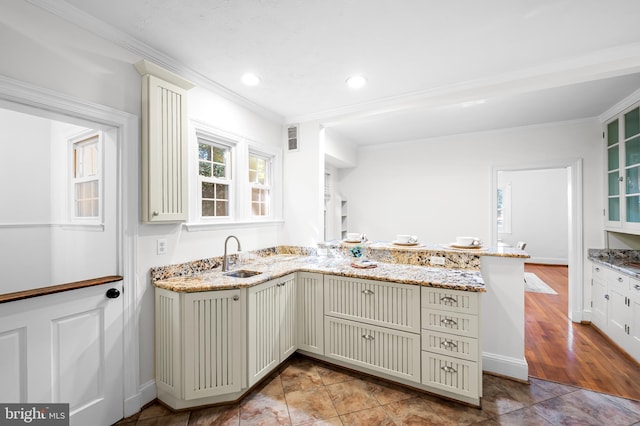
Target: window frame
{"x": 230, "y": 179}
{"x": 85, "y": 138}
{"x": 255, "y": 185}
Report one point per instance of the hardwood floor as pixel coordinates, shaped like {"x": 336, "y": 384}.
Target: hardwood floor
{"x": 569, "y": 353}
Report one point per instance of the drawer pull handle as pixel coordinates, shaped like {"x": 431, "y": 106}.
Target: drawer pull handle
{"x": 448, "y": 344}
{"x": 367, "y": 292}
{"x": 597, "y": 269}
{"x": 448, "y": 299}
{"x": 620, "y": 279}
{"x": 236, "y": 298}
{"x": 448, "y": 369}
{"x": 637, "y": 286}
{"x": 448, "y": 321}
{"x": 368, "y": 337}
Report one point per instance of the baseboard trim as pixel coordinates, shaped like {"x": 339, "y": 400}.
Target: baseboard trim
{"x": 146, "y": 393}
{"x": 505, "y": 366}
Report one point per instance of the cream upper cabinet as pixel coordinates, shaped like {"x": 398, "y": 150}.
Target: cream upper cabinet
{"x": 622, "y": 157}
{"x": 164, "y": 144}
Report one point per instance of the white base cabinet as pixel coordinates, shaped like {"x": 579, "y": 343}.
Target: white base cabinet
{"x": 209, "y": 350}
{"x": 272, "y": 325}
{"x": 617, "y": 312}
{"x": 198, "y": 344}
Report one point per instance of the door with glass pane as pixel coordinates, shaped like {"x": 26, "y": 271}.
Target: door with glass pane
{"x": 613, "y": 174}
{"x": 631, "y": 131}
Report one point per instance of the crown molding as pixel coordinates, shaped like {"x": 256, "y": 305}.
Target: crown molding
{"x": 100, "y": 28}
{"x": 620, "y": 106}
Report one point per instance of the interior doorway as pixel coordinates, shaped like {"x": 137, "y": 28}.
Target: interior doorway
{"x": 573, "y": 169}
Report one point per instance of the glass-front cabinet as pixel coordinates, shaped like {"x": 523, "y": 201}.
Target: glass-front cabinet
{"x": 622, "y": 137}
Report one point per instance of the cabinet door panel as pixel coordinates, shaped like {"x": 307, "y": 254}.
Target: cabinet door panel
{"x": 262, "y": 330}
{"x": 309, "y": 293}
{"x": 287, "y": 311}
{"x": 212, "y": 343}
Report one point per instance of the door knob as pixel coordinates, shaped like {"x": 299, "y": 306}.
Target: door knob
{"x": 113, "y": 293}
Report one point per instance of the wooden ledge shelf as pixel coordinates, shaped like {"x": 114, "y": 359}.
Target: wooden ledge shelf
{"x": 43, "y": 291}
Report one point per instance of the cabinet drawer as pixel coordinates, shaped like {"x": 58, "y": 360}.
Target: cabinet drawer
{"x": 450, "y": 374}
{"x": 375, "y": 302}
{"x": 395, "y": 353}
{"x": 615, "y": 278}
{"x": 598, "y": 272}
{"x": 450, "y": 345}
{"x": 450, "y": 322}
{"x": 465, "y": 302}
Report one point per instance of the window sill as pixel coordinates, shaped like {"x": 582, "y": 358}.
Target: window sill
{"x": 200, "y": 226}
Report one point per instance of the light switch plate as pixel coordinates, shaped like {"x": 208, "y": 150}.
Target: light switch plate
{"x": 161, "y": 246}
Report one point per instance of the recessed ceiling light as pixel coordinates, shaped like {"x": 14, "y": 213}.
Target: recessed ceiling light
{"x": 356, "y": 81}
{"x": 250, "y": 79}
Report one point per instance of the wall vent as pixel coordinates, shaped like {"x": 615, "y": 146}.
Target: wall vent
{"x": 292, "y": 137}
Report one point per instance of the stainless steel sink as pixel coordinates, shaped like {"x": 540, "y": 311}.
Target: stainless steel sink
{"x": 242, "y": 273}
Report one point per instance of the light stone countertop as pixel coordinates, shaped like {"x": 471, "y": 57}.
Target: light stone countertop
{"x": 279, "y": 265}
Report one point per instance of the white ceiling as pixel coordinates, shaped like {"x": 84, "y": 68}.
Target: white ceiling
{"x": 434, "y": 68}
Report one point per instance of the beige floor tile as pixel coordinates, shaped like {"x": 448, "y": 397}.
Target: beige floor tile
{"x": 310, "y": 405}
{"x": 300, "y": 374}
{"x": 351, "y": 396}
{"x": 178, "y": 419}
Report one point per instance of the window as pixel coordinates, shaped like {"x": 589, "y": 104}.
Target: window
{"x": 504, "y": 209}
{"x": 86, "y": 177}
{"x": 233, "y": 180}
{"x": 260, "y": 183}
{"x": 215, "y": 179}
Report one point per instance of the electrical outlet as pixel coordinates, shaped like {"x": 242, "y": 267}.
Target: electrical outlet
{"x": 436, "y": 260}
{"x": 161, "y": 246}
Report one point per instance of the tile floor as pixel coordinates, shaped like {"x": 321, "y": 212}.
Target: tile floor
{"x": 308, "y": 392}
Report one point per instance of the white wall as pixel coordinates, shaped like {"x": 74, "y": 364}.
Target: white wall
{"x": 539, "y": 213}
{"x": 304, "y": 189}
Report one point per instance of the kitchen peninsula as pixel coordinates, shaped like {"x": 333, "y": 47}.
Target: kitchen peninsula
{"x": 419, "y": 317}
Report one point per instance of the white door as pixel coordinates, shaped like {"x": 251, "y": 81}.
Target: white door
{"x": 65, "y": 348}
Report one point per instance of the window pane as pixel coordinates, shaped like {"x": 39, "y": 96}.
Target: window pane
{"x": 205, "y": 169}
{"x": 614, "y": 186}
{"x": 208, "y": 190}
{"x": 255, "y": 209}
{"x": 221, "y": 208}
{"x": 614, "y": 209}
{"x": 219, "y": 171}
{"x": 613, "y": 157}
{"x": 218, "y": 155}
{"x": 633, "y": 209}
{"x": 632, "y": 184}
{"x": 222, "y": 192}
{"x": 207, "y": 207}
{"x": 632, "y": 123}
{"x": 632, "y": 151}
{"x": 612, "y": 133}
{"x": 204, "y": 151}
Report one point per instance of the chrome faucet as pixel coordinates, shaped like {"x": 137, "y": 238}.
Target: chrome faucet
{"x": 225, "y": 261}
